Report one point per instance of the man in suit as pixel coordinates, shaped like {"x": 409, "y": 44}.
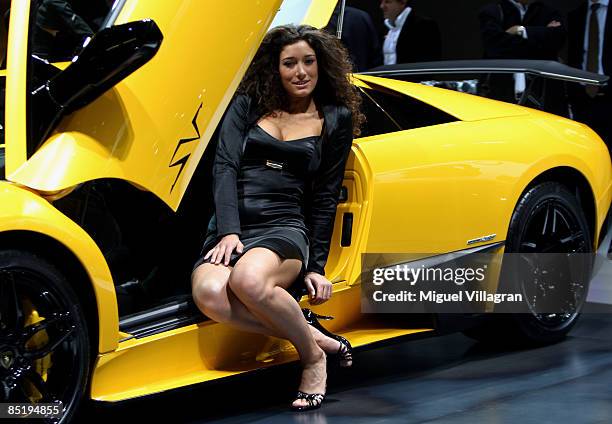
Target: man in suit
{"x": 590, "y": 48}
{"x": 522, "y": 29}
{"x": 411, "y": 37}
{"x": 359, "y": 36}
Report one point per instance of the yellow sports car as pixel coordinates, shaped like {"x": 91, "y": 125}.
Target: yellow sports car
{"x": 108, "y": 131}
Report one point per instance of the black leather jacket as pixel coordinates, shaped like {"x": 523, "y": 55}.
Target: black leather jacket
{"x": 321, "y": 202}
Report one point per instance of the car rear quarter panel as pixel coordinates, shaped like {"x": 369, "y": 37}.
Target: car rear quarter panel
{"x": 432, "y": 189}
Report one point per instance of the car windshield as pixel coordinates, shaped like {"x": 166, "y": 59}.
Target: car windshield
{"x": 59, "y": 27}
{"x": 58, "y": 31}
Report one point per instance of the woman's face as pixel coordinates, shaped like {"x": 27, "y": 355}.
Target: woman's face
{"x": 298, "y": 69}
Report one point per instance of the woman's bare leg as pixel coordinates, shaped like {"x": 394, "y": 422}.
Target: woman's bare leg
{"x": 214, "y": 298}
{"x": 218, "y": 302}
{"x": 259, "y": 280}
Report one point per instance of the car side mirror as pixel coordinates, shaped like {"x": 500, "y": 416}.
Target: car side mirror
{"x": 106, "y": 59}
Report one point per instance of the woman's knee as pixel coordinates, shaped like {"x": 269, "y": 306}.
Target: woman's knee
{"x": 210, "y": 297}
{"x": 249, "y": 284}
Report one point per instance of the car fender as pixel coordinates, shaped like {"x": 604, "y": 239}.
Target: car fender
{"x": 24, "y": 210}
{"x": 580, "y": 150}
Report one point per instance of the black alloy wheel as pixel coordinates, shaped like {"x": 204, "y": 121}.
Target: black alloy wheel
{"x": 551, "y": 242}
{"x": 552, "y": 227}
{"x": 44, "y": 340}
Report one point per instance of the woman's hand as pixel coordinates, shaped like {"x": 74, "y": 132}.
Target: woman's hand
{"x": 223, "y": 250}
{"x": 319, "y": 288}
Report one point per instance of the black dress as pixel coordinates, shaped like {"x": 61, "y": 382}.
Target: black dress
{"x": 281, "y": 195}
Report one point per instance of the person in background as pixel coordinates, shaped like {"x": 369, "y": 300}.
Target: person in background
{"x": 521, "y": 29}
{"x": 359, "y": 36}
{"x": 411, "y": 37}
{"x": 59, "y": 30}
{"x": 590, "y": 48}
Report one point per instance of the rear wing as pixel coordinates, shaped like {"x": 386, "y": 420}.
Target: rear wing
{"x": 548, "y": 83}
{"x": 540, "y": 68}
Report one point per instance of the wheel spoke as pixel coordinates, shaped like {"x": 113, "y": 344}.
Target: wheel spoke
{"x": 5, "y": 391}
{"x": 528, "y": 245}
{"x": 11, "y": 314}
{"x": 546, "y": 216}
{"x": 60, "y": 337}
{"x": 13, "y": 391}
{"x": 555, "y": 213}
{"x": 57, "y": 321}
{"x": 570, "y": 244}
{"x": 39, "y": 384}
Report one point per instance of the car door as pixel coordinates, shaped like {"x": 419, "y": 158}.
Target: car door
{"x": 152, "y": 128}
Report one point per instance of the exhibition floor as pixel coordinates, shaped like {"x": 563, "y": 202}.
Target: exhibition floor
{"x": 449, "y": 379}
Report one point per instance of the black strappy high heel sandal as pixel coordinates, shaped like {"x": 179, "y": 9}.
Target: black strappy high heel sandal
{"x": 345, "y": 351}
{"x": 314, "y": 401}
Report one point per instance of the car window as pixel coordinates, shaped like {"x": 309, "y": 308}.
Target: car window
{"x": 377, "y": 120}
{"x": 59, "y": 27}
{"x": 58, "y": 31}
{"x": 404, "y": 111}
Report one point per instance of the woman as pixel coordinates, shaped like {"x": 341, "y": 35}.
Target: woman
{"x": 285, "y": 139}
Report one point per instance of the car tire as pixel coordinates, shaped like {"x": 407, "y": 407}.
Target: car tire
{"x": 533, "y": 328}
{"x": 45, "y": 353}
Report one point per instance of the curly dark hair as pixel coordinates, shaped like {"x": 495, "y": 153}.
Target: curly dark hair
{"x": 262, "y": 80}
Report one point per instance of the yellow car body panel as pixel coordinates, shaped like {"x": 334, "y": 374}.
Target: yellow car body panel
{"x": 432, "y": 166}
{"x": 147, "y": 131}
{"x": 134, "y": 130}
{"x": 209, "y": 351}
{"x": 23, "y": 210}
{"x": 447, "y": 183}
{"x": 16, "y": 87}
{"x": 433, "y": 198}
{"x": 319, "y": 13}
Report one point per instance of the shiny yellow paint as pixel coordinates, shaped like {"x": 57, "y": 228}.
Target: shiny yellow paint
{"x": 133, "y": 131}
{"x": 445, "y": 184}
{"x": 458, "y": 181}
{"x": 341, "y": 258}
{"x": 16, "y": 87}
{"x": 23, "y": 210}
{"x": 209, "y": 351}
{"x": 319, "y": 13}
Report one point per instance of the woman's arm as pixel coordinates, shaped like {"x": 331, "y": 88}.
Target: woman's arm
{"x": 326, "y": 189}
{"x": 227, "y": 165}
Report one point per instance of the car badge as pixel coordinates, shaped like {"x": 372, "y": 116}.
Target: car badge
{"x": 482, "y": 239}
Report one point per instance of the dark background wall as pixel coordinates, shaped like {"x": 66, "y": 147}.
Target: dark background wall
{"x": 457, "y": 20}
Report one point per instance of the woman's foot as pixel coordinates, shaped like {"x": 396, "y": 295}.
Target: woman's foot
{"x": 313, "y": 385}
{"x": 332, "y": 347}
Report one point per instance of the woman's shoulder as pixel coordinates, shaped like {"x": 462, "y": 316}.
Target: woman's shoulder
{"x": 241, "y": 101}
{"x": 345, "y": 119}
{"x": 242, "y": 106}
{"x": 339, "y": 125}
{"x": 339, "y": 115}
{"x": 343, "y": 111}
